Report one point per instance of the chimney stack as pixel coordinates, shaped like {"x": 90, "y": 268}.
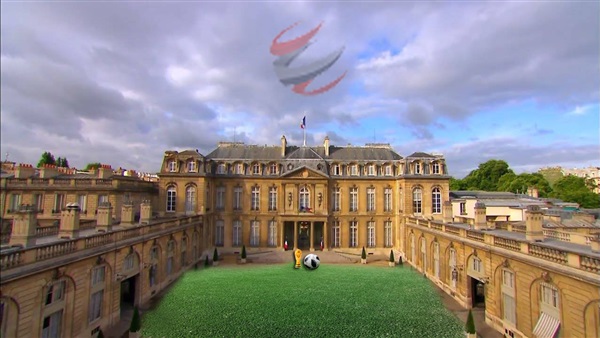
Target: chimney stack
{"x": 326, "y": 146}
{"x": 48, "y": 171}
{"x": 595, "y": 242}
{"x": 127, "y": 214}
{"x": 533, "y": 224}
{"x": 105, "y": 171}
{"x": 480, "y": 216}
{"x": 448, "y": 217}
{"x": 104, "y": 218}
{"x": 69, "y": 222}
{"x": 24, "y": 226}
{"x": 145, "y": 212}
{"x": 532, "y": 192}
{"x": 24, "y": 171}
{"x": 283, "y": 145}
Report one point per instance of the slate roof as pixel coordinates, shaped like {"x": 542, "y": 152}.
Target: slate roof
{"x": 421, "y": 154}
{"x": 482, "y": 194}
{"x": 246, "y": 153}
{"x": 304, "y": 153}
{"x": 363, "y": 154}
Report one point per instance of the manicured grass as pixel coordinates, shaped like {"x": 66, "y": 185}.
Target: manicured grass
{"x": 278, "y": 301}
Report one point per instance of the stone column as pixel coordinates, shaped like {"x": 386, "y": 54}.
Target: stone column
{"x": 480, "y": 216}
{"x": 104, "y": 217}
{"x": 24, "y": 226}
{"x": 312, "y": 236}
{"x": 325, "y": 237}
{"x": 295, "y": 235}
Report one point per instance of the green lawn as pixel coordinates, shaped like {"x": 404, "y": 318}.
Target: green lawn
{"x": 278, "y": 301}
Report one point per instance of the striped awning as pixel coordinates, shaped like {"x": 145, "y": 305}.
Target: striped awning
{"x": 546, "y": 326}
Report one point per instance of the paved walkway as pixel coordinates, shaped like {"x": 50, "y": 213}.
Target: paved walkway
{"x": 328, "y": 257}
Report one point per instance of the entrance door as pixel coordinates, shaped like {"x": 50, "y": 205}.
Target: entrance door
{"x": 128, "y": 296}
{"x": 477, "y": 293}
{"x": 304, "y": 235}
{"x": 288, "y": 234}
{"x": 318, "y": 235}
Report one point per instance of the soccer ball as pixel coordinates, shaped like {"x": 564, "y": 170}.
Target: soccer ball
{"x": 311, "y": 261}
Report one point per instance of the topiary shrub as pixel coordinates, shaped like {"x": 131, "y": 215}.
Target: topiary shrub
{"x": 364, "y": 254}
{"x": 470, "y": 326}
{"x": 392, "y": 260}
{"x": 100, "y": 334}
{"x": 135, "y": 321}
{"x": 400, "y": 260}
{"x": 206, "y": 262}
{"x": 243, "y": 252}
{"x": 215, "y": 256}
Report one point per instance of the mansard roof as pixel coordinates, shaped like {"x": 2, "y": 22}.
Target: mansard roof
{"x": 363, "y": 154}
{"x": 420, "y": 154}
{"x": 246, "y": 152}
{"x": 304, "y": 153}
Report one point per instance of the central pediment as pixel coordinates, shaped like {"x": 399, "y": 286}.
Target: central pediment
{"x": 304, "y": 172}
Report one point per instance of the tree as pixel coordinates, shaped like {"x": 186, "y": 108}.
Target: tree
{"x": 215, "y": 255}
{"x": 90, "y": 166}
{"x": 47, "y": 158}
{"x": 552, "y": 175}
{"x": 243, "y": 252}
{"x": 135, "y": 321}
{"x": 522, "y": 182}
{"x": 363, "y": 255}
{"x": 392, "y": 256}
{"x": 62, "y": 162}
{"x": 470, "y": 325}
{"x": 486, "y": 176}
{"x": 456, "y": 184}
{"x": 574, "y": 189}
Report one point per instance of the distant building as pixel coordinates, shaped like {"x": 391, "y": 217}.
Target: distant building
{"x": 590, "y": 173}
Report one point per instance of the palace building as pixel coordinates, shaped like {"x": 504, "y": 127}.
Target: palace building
{"x": 303, "y": 197}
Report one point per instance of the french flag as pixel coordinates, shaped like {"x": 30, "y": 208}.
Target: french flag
{"x": 303, "y": 124}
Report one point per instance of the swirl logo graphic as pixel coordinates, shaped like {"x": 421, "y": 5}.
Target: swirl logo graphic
{"x": 301, "y": 77}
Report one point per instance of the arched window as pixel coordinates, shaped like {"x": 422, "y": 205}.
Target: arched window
{"x": 436, "y": 259}
{"x": 417, "y": 200}
{"x": 171, "y": 198}
{"x": 97, "y": 293}
{"x": 170, "y": 254}
{"x": 190, "y": 199}
{"x": 304, "y": 199}
{"x": 423, "y": 254}
{"x": 54, "y": 308}
{"x": 436, "y": 201}
{"x": 154, "y": 259}
{"x": 509, "y": 306}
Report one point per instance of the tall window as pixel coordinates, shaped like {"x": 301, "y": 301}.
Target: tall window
{"x": 370, "y": 199}
{"x": 387, "y": 234}
{"x": 171, "y": 198}
{"x": 59, "y": 202}
{"x": 172, "y": 166}
{"x": 190, "y": 199}
{"x": 53, "y": 309}
{"x": 436, "y": 259}
{"x": 153, "y": 271}
{"x": 354, "y": 170}
{"x": 273, "y": 169}
{"x": 304, "y": 198}
{"x": 353, "y": 234}
{"x": 417, "y": 168}
{"x": 354, "y": 199}
{"x": 424, "y": 254}
{"x": 371, "y": 170}
{"x": 237, "y": 198}
{"x": 38, "y": 202}
{"x": 82, "y": 201}
{"x": 371, "y": 234}
{"x": 436, "y": 168}
{"x": 220, "y": 200}
{"x": 337, "y": 170}
{"x": 463, "y": 208}
{"x": 549, "y": 303}
{"x": 256, "y": 169}
{"x": 170, "y": 259}
{"x": 255, "y": 198}
{"x": 183, "y": 251}
{"x": 221, "y": 168}
{"x": 336, "y": 200}
{"x": 272, "y": 198}
{"x": 436, "y": 200}
{"x": 237, "y": 233}
{"x": 239, "y": 169}
{"x": 15, "y": 202}
{"x": 387, "y": 200}
{"x": 336, "y": 234}
{"x": 192, "y": 166}
{"x": 412, "y": 248}
{"x": 254, "y": 233}
{"x": 508, "y": 297}
{"x": 417, "y": 199}
{"x": 97, "y": 293}
{"x": 102, "y": 199}
{"x": 388, "y": 170}
{"x": 477, "y": 264}
{"x": 272, "y": 233}
{"x": 452, "y": 266}
{"x": 219, "y": 232}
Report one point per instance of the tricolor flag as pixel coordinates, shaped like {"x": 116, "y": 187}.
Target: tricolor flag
{"x": 322, "y": 244}
{"x": 285, "y": 245}
{"x": 303, "y": 124}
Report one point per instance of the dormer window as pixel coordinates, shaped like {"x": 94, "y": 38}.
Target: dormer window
{"x": 337, "y": 170}
{"x": 256, "y": 169}
{"x": 192, "y": 166}
{"x": 172, "y": 166}
{"x": 388, "y": 170}
{"x": 417, "y": 168}
{"x": 273, "y": 169}
{"x": 436, "y": 168}
{"x": 371, "y": 170}
{"x": 354, "y": 170}
{"x": 221, "y": 168}
{"x": 239, "y": 169}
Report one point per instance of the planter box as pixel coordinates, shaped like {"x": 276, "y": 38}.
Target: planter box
{"x": 363, "y": 261}
{"x": 392, "y": 264}
{"x": 215, "y": 263}
{"x": 243, "y": 260}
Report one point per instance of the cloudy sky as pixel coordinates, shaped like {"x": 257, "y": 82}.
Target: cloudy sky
{"x": 120, "y": 83}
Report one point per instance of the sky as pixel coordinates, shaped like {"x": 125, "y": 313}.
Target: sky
{"x": 122, "y": 82}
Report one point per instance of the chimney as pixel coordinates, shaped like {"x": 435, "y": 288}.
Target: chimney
{"x": 448, "y": 218}
{"x": 145, "y": 212}
{"x": 48, "y": 171}
{"x": 120, "y": 172}
{"x": 24, "y": 171}
{"x": 105, "y": 171}
{"x": 69, "y": 222}
{"x": 127, "y": 214}
{"x": 480, "y": 218}
{"x": 24, "y": 226}
{"x": 283, "y": 145}
{"x": 533, "y": 224}
{"x": 104, "y": 218}
{"x": 532, "y": 192}
{"x": 595, "y": 242}
{"x": 326, "y": 145}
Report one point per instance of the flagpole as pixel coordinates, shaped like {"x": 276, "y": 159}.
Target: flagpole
{"x": 304, "y": 131}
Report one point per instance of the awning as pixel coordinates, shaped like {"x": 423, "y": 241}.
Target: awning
{"x": 546, "y": 326}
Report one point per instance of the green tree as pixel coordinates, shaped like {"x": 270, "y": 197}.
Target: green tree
{"x": 574, "y": 189}
{"x": 470, "y": 325}
{"x": 90, "y": 166}
{"x": 456, "y": 184}
{"x": 552, "y": 175}
{"x": 520, "y": 183}
{"x": 62, "y": 162}
{"x": 135, "y": 321}
{"x": 486, "y": 176}
{"x": 47, "y": 158}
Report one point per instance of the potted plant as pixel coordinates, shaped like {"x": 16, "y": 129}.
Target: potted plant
{"x": 134, "y": 328}
{"x": 100, "y": 334}
{"x": 215, "y": 257}
{"x": 243, "y": 255}
{"x": 206, "y": 262}
{"x": 400, "y": 260}
{"x": 470, "y": 326}
{"x": 392, "y": 260}
{"x": 363, "y": 256}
